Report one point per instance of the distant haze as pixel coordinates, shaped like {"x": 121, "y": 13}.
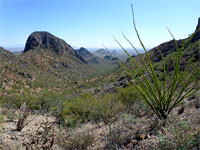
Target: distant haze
{"x": 118, "y": 50}
{"x": 14, "y": 49}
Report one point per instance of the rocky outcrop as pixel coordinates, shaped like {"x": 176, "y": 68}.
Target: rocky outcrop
{"x": 48, "y": 42}
{"x": 53, "y": 55}
{"x": 197, "y": 35}
{"x": 198, "y": 26}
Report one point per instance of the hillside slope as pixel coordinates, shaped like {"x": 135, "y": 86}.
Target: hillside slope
{"x": 47, "y": 63}
{"x": 54, "y": 55}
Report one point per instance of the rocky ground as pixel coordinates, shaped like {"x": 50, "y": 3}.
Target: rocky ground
{"x": 127, "y": 132}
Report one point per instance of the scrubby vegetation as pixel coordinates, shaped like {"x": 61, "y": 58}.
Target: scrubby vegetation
{"x": 88, "y": 107}
{"x": 179, "y": 135}
{"x": 76, "y": 141}
{"x": 102, "y": 111}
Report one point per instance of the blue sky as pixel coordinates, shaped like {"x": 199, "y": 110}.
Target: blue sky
{"x": 92, "y": 23}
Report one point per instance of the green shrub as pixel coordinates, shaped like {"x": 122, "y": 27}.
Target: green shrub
{"x": 133, "y": 101}
{"x": 44, "y": 101}
{"x": 10, "y": 115}
{"x": 11, "y": 102}
{"x": 129, "y": 96}
{"x": 69, "y": 121}
{"x": 88, "y": 108}
{"x": 107, "y": 109}
{"x": 123, "y": 133}
{"x": 179, "y": 135}
{"x": 78, "y": 141}
{"x": 79, "y": 108}
{"x": 118, "y": 139}
{"x": 128, "y": 119}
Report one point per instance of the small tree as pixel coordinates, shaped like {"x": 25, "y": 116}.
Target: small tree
{"x": 161, "y": 96}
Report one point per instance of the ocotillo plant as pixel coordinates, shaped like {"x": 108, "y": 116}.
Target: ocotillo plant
{"x": 161, "y": 96}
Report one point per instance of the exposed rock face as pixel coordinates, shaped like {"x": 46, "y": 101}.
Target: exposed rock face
{"x": 49, "y": 42}
{"x": 198, "y": 26}
{"x": 197, "y": 36}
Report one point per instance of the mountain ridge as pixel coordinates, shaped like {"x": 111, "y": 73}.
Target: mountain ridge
{"x": 170, "y": 46}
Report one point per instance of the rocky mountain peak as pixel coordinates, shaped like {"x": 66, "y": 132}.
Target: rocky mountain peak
{"x": 48, "y": 42}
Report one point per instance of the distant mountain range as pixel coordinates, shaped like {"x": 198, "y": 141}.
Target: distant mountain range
{"x": 104, "y": 57}
{"x": 96, "y": 52}
{"x": 100, "y": 62}
{"x": 101, "y": 53}
{"x": 16, "y": 50}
